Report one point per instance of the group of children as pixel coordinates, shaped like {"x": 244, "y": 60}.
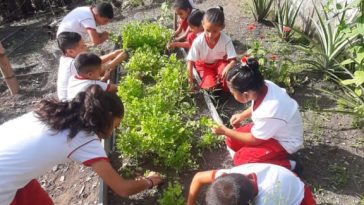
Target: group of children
{"x": 87, "y": 110}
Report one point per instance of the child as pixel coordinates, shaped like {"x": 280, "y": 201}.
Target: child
{"x": 88, "y": 66}
{"x": 183, "y": 9}
{"x": 57, "y": 132}
{"x": 195, "y": 24}
{"x": 258, "y": 183}
{"x": 277, "y": 128}
{"x": 212, "y": 53}
{"x": 71, "y": 45}
{"x": 83, "y": 20}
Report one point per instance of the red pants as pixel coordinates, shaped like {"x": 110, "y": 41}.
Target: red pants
{"x": 308, "y": 198}
{"x": 211, "y": 74}
{"x": 270, "y": 151}
{"x": 32, "y": 194}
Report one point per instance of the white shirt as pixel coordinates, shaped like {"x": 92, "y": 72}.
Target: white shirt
{"x": 276, "y": 185}
{"x": 200, "y": 51}
{"x": 278, "y": 117}
{"x": 28, "y": 149}
{"x": 77, "y": 84}
{"x": 78, "y": 20}
{"x": 65, "y": 71}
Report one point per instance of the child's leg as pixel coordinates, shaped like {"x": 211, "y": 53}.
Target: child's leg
{"x": 32, "y": 194}
{"x": 308, "y": 198}
{"x": 207, "y": 74}
{"x": 220, "y": 67}
{"x": 269, "y": 151}
{"x": 236, "y": 145}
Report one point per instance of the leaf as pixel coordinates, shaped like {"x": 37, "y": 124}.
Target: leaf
{"x": 358, "y": 91}
{"x": 348, "y": 82}
{"x": 339, "y": 6}
{"x": 347, "y": 61}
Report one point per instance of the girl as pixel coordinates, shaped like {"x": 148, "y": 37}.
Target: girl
{"x": 277, "y": 128}
{"x": 258, "y": 183}
{"x": 212, "y": 53}
{"x": 54, "y": 133}
{"x": 183, "y": 9}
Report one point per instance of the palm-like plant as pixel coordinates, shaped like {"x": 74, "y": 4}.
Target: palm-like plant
{"x": 260, "y": 8}
{"x": 331, "y": 42}
{"x": 286, "y": 16}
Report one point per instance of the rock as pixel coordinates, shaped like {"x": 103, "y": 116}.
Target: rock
{"x": 61, "y": 179}
{"x": 55, "y": 168}
{"x": 81, "y": 190}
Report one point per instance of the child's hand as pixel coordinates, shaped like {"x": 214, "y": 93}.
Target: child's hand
{"x": 106, "y": 75}
{"x": 236, "y": 119}
{"x": 171, "y": 45}
{"x": 219, "y": 129}
{"x": 155, "y": 177}
{"x": 117, "y": 52}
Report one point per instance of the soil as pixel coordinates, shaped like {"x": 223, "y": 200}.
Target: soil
{"x": 333, "y": 153}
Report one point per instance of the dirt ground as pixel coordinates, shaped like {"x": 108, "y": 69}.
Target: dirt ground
{"x": 333, "y": 153}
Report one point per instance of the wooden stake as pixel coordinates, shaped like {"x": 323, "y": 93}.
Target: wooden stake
{"x": 7, "y": 72}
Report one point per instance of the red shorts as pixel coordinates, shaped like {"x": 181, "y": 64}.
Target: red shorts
{"x": 308, "y": 198}
{"x": 211, "y": 74}
{"x": 270, "y": 151}
{"x": 32, "y": 194}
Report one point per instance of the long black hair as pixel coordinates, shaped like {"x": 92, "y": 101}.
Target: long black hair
{"x": 230, "y": 189}
{"x": 245, "y": 76}
{"x": 92, "y": 111}
{"x": 183, "y": 5}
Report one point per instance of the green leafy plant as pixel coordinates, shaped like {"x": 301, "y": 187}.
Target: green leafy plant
{"x": 138, "y": 34}
{"x": 172, "y": 195}
{"x": 260, "y": 8}
{"x": 286, "y": 18}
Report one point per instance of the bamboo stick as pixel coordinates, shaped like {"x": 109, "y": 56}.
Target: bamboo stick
{"x": 7, "y": 72}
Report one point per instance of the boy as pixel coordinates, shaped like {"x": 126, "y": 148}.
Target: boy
{"x": 83, "y": 20}
{"x": 195, "y": 23}
{"x": 71, "y": 45}
{"x": 88, "y": 66}
{"x": 257, "y": 183}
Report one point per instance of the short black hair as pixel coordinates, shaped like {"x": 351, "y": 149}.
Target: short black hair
{"x": 245, "y": 77}
{"x": 231, "y": 189}
{"x": 68, "y": 40}
{"x": 86, "y": 62}
{"x": 195, "y": 18}
{"x": 182, "y": 4}
{"x": 105, "y": 10}
{"x": 216, "y": 16}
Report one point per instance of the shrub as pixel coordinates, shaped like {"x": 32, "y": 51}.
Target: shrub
{"x": 172, "y": 195}
{"x": 260, "y": 8}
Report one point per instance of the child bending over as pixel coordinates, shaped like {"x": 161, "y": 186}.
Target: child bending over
{"x": 277, "y": 128}
{"x": 88, "y": 66}
{"x": 71, "y": 44}
{"x": 55, "y": 133}
{"x": 258, "y": 184}
{"x": 212, "y": 53}
{"x": 183, "y": 9}
{"x": 195, "y": 24}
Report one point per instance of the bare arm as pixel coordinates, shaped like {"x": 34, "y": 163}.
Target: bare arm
{"x": 198, "y": 181}
{"x": 97, "y": 38}
{"x": 179, "y": 45}
{"x": 236, "y": 119}
{"x": 189, "y": 69}
{"x": 178, "y": 31}
{"x": 228, "y": 66}
{"x": 183, "y": 35}
{"x": 245, "y": 137}
{"x": 117, "y": 60}
{"x": 105, "y": 58}
{"x": 120, "y": 185}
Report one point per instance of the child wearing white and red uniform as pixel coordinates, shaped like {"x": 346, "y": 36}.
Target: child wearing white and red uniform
{"x": 71, "y": 44}
{"x": 57, "y": 132}
{"x": 277, "y": 128}
{"x": 212, "y": 53}
{"x": 183, "y": 9}
{"x": 88, "y": 66}
{"x": 195, "y": 24}
{"x": 257, "y": 183}
{"x": 84, "y": 20}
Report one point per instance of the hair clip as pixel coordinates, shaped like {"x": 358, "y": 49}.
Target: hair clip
{"x": 244, "y": 59}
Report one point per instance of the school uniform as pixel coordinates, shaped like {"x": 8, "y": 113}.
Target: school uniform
{"x": 210, "y": 62}
{"x": 77, "y": 84}
{"x": 277, "y": 121}
{"x": 183, "y": 23}
{"x": 191, "y": 36}
{"x": 273, "y": 184}
{"x": 79, "y": 20}
{"x": 29, "y": 148}
{"x": 65, "y": 71}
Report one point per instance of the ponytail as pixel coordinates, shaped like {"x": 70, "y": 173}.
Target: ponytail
{"x": 216, "y": 16}
{"x": 245, "y": 76}
{"x": 92, "y": 111}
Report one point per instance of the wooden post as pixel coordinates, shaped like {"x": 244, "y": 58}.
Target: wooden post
{"x": 7, "y": 72}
